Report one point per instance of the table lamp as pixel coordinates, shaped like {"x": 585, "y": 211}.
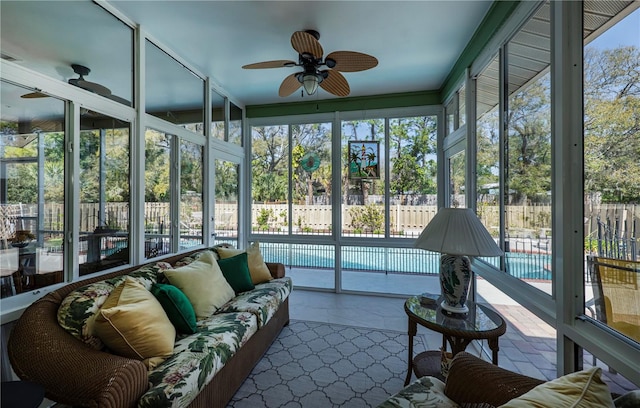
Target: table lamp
{"x": 457, "y": 234}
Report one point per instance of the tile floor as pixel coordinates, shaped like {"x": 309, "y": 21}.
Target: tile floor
{"x": 528, "y": 346}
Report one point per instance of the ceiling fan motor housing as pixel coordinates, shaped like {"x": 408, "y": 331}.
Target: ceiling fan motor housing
{"x": 80, "y": 70}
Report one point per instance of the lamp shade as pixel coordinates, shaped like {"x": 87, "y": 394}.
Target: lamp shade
{"x": 457, "y": 231}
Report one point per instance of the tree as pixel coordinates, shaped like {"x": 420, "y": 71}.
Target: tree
{"x": 157, "y": 166}
{"x": 529, "y": 143}
{"x": 612, "y": 123}
{"x": 487, "y": 151}
{"x": 413, "y": 147}
{"x": 314, "y": 138}
{"x": 269, "y": 165}
{"x": 191, "y": 171}
{"x": 54, "y": 167}
{"x": 226, "y": 175}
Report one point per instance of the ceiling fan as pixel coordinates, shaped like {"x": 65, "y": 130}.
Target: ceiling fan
{"x": 80, "y": 82}
{"x": 310, "y": 60}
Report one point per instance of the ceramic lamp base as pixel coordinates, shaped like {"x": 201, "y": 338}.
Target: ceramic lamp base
{"x": 455, "y": 276}
{"x": 455, "y": 310}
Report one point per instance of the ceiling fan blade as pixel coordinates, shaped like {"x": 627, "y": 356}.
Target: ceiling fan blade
{"x": 270, "y": 64}
{"x": 33, "y": 95}
{"x": 351, "y": 61}
{"x": 119, "y": 99}
{"x": 289, "y": 85}
{"x": 91, "y": 86}
{"x": 335, "y": 83}
{"x": 304, "y": 42}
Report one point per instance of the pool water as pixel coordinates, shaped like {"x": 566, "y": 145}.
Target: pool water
{"x": 394, "y": 260}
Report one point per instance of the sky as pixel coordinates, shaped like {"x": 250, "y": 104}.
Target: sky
{"x": 624, "y": 33}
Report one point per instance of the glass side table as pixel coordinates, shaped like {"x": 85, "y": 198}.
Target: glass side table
{"x": 458, "y": 330}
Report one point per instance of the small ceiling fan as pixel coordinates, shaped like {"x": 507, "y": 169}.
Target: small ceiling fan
{"x": 80, "y": 82}
{"x": 94, "y": 87}
{"x": 310, "y": 60}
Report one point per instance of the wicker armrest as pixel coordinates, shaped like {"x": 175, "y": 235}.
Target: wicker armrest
{"x": 41, "y": 351}
{"x": 276, "y": 269}
{"x": 475, "y": 381}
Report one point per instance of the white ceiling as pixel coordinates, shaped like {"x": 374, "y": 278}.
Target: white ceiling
{"x": 416, "y": 42}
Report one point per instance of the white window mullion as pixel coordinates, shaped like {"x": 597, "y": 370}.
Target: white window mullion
{"x": 568, "y": 164}
{"x": 175, "y": 194}
{"x": 72, "y": 191}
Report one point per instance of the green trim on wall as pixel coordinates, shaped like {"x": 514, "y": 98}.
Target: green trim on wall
{"x": 496, "y": 16}
{"x": 397, "y": 100}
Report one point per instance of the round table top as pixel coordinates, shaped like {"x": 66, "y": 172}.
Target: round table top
{"x": 479, "y": 323}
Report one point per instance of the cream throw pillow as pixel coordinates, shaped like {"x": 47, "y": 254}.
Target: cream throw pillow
{"x": 203, "y": 283}
{"x": 257, "y": 268}
{"x": 133, "y": 324}
{"x": 582, "y": 389}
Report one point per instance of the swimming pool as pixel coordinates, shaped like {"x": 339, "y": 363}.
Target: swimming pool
{"x": 392, "y": 260}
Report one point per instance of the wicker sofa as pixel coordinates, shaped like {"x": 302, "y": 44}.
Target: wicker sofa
{"x": 76, "y": 373}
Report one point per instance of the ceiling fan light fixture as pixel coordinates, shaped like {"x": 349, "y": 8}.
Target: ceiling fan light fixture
{"x": 310, "y": 83}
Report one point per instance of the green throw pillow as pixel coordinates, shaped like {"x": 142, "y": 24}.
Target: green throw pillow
{"x": 236, "y": 272}
{"x": 177, "y": 307}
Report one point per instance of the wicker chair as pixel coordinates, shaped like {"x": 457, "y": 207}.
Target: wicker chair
{"x": 475, "y": 382}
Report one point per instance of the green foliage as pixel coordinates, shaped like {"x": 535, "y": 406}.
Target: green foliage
{"x": 590, "y": 245}
{"x": 366, "y": 218}
{"x": 157, "y": 166}
{"x": 226, "y": 175}
{"x": 263, "y": 218}
{"x": 191, "y": 170}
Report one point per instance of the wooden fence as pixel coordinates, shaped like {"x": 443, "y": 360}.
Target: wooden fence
{"x": 618, "y": 220}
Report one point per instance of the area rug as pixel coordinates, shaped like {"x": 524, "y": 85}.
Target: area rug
{"x": 327, "y": 365}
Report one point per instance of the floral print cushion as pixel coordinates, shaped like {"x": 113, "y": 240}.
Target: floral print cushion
{"x": 196, "y": 359}
{"x": 83, "y": 303}
{"x": 426, "y": 392}
{"x": 263, "y": 301}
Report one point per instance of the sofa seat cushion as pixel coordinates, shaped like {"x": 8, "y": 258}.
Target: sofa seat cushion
{"x": 263, "y": 301}
{"x": 422, "y": 393}
{"x": 79, "y": 307}
{"x": 197, "y": 358}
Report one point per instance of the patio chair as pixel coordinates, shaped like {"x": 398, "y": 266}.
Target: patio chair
{"x": 616, "y": 294}
{"x": 49, "y": 270}
{"x": 9, "y": 270}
